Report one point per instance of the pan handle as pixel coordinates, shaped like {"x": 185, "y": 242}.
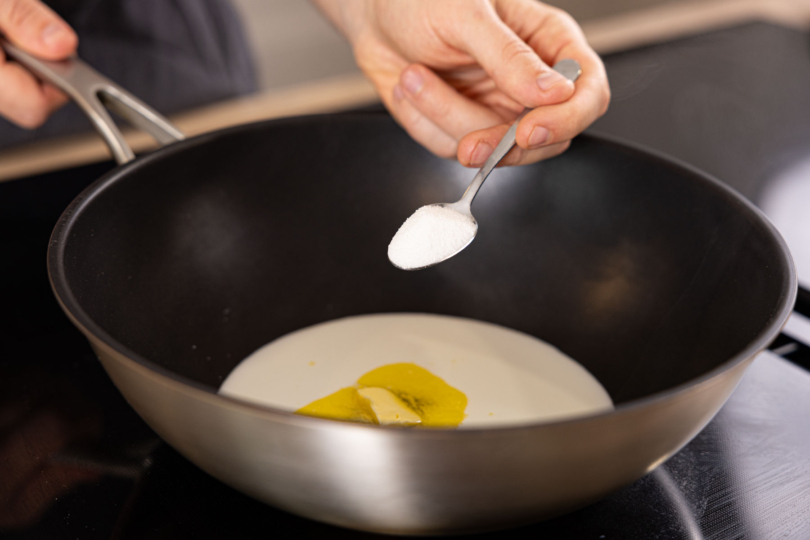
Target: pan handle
{"x": 95, "y": 93}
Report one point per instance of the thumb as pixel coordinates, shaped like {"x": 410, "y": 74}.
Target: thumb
{"x": 33, "y": 26}
{"x": 515, "y": 67}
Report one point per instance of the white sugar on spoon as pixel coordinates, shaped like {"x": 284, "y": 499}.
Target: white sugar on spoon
{"x": 436, "y": 232}
{"x": 433, "y": 233}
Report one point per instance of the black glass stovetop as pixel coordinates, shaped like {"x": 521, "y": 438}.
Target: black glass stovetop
{"x": 77, "y": 462}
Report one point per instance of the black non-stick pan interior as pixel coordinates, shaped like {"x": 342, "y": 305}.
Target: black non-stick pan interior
{"x": 646, "y": 272}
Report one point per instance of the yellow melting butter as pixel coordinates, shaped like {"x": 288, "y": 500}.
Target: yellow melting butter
{"x": 388, "y": 408}
{"x": 436, "y": 402}
{"x": 417, "y": 391}
{"x": 345, "y": 404}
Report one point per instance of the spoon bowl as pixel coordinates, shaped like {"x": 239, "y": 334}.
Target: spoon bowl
{"x": 568, "y": 68}
{"x": 461, "y": 208}
{"x": 433, "y": 233}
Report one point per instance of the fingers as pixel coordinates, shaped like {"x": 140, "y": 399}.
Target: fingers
{"x": 23, "y": 99}
{"x": 32, "y": 25}
{"x": 555, "y": 36}
{"x": 475, "y": 148}
{"x": 384, "y": 67}
{"x": 420, "y": 127}
{"x": 515, "y": 67}
{"x": 464, "y": 111}
{"x": 545, "y": 29}
{"x": 543, "y": 132}
{"x": 557, "y": 123}
{"x": 451, "y": 125}
{"x": 452, "y": 112}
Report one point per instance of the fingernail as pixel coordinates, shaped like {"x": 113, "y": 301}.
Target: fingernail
{"x": 538, "y": 136}
{"x": 480, "y": 154}
{"x": 549, "y": 80}
{"x": 412, "y": 81}
{"x": 53, "y": 33}
{"x": 397, "y": 92}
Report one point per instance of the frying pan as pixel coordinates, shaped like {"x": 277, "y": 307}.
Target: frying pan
{"x": 657, "y": 278}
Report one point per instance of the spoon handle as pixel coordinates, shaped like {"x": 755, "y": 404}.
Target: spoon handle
{"x": 568, "y": 68}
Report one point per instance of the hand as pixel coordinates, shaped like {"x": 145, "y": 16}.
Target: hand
{"x": 32, "y": 26}
{"x": 456, "y": 73}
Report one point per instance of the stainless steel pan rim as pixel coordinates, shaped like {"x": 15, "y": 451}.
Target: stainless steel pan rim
{"x": 90, "y": 329}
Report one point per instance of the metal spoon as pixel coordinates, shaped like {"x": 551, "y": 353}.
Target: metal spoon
{"x": 569, "y": 69}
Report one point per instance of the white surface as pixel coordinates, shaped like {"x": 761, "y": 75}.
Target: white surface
{"x": 432, "y": 234}
{"x": 508, "y": 377}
